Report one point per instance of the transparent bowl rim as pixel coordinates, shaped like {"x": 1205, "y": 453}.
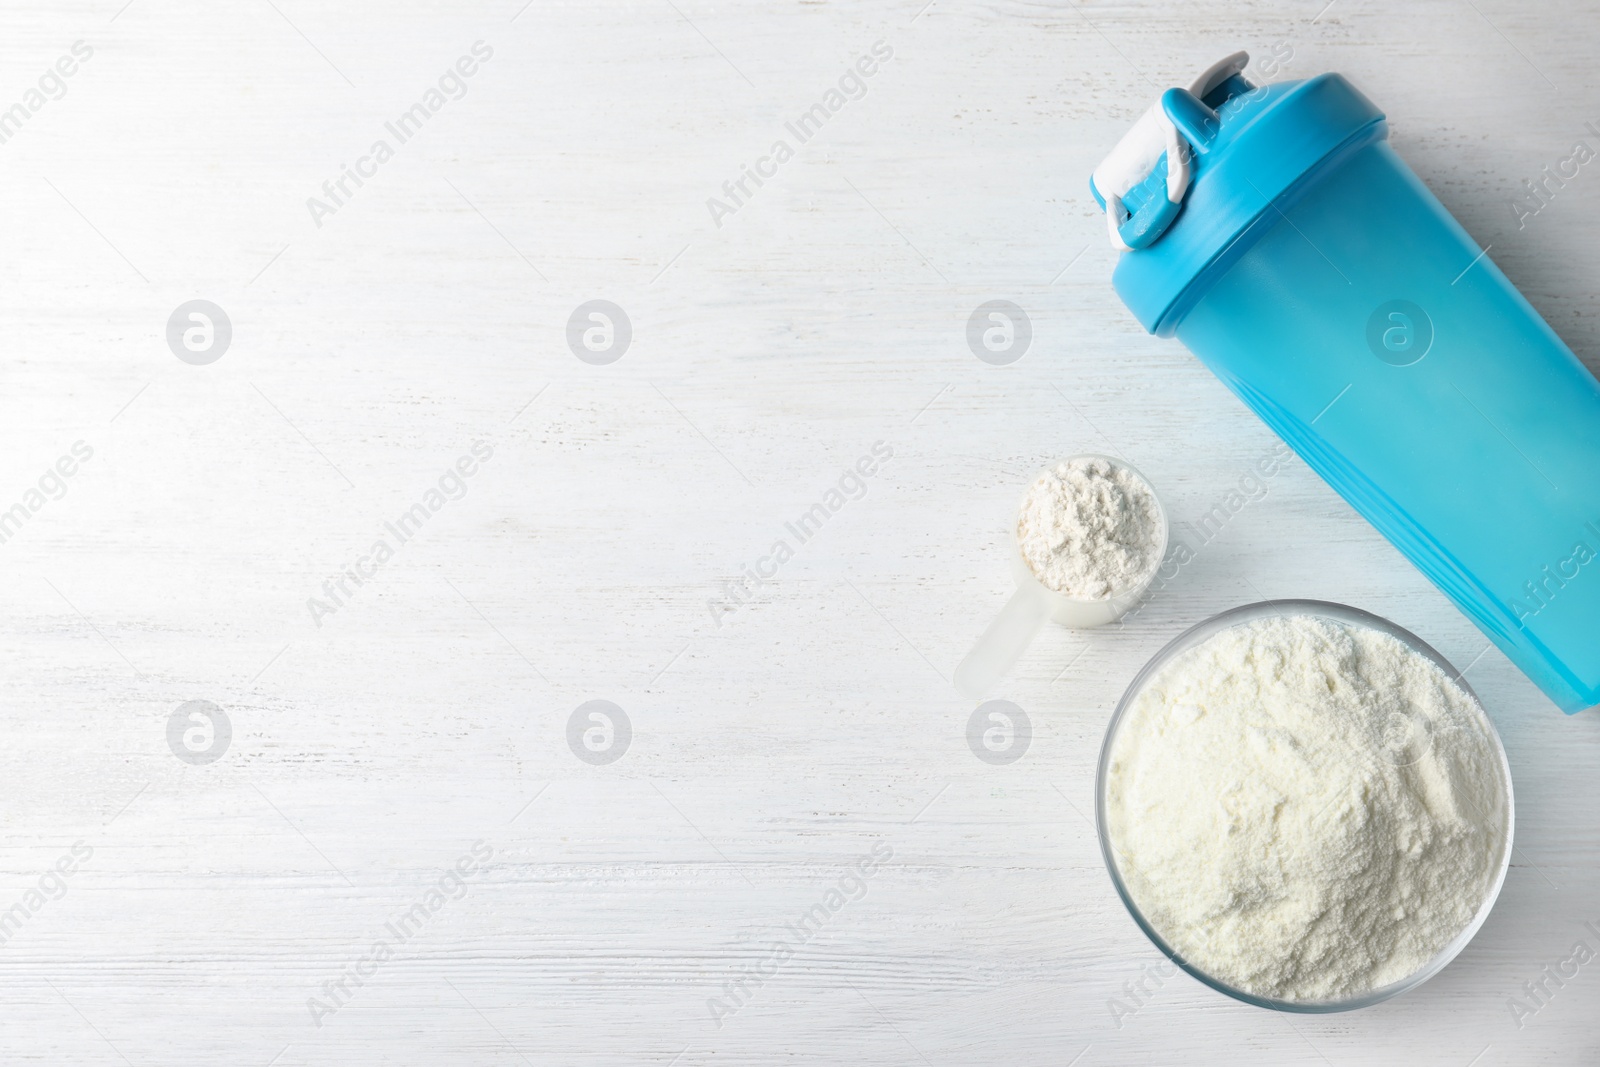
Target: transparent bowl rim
{"x": 1342, "y": 613}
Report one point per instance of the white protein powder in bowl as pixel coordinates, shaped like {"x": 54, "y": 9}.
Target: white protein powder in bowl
{"x": 1306, "y": 810}
{"x": 1090, "y": 528}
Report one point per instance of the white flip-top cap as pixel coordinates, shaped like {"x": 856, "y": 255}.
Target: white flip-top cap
{"x": 1140, "y": 149}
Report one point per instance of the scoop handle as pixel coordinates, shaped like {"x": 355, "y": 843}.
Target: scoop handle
{"x": 1003, "y": 643}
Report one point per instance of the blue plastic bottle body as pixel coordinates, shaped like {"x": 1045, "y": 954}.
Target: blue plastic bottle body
{"x": 1366, "y": 327}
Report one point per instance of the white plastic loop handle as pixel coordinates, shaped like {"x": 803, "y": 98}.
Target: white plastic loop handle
{"x": 1133, "y": 160}
{"x": 1139, "y": 151}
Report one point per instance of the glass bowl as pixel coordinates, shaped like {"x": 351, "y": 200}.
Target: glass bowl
{"x": 1355, "y": 618}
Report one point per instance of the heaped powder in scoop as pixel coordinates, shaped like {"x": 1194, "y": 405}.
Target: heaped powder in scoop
{"x": 1304, "y": 809}
{"x": 1090, "y": 528}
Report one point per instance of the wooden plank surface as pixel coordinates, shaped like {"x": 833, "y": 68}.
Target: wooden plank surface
{"x": 380, "y": 737}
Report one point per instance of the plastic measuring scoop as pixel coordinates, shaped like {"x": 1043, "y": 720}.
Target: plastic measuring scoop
{"x": 1317, "y": 276}
{"x": 1034, "y": 603}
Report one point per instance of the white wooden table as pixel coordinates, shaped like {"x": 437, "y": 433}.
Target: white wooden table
{"x": 215, "y": 908}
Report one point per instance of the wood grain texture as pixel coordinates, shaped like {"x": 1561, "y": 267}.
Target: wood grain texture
{"x": 770, "y": 748}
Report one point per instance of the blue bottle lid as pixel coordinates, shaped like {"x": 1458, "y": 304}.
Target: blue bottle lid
{"x": 1246, "y": 147}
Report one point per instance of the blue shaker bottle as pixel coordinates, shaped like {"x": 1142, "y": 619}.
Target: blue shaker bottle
{"x": 1279, "y": 236}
